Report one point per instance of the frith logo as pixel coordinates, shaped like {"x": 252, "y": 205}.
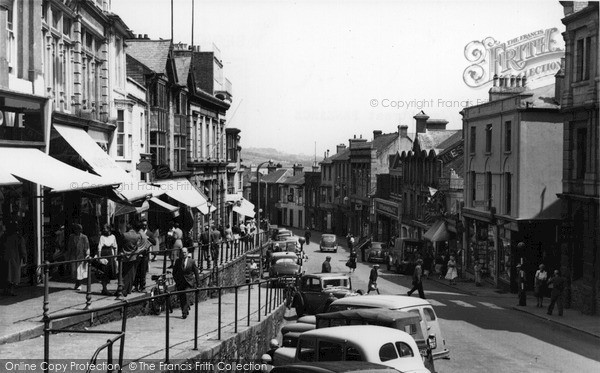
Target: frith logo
{"x": 534, "y": 55}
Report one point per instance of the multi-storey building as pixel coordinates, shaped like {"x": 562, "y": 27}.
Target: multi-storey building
{"x": 367, "y": 160}
{"x": 291, "y": 199}
{"x": 268, "y": 187}
{"x": 513, "y": 164}
{"x": 312, "y": 186}
{"x": 580, "y": 239}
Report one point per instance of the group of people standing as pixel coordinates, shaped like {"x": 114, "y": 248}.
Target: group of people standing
{"x": 542, "y": 282}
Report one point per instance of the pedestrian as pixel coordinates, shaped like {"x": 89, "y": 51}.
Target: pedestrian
{"x": 389, "y": 259}
{"x": 78, "y": 247}
{"x": 185, "y": 273}
{"x": 452, "y": 273}
{"x": 215, "y": 239}
{"x": 13, "y": 256}
{"x": 373, "y": 279}
{"x": 521, "y": 284}
{"x": 205, "y": 247}
{"x": 540, "y": 284}
{"x": 558, "y": 283}
{"x": 439, "y": 263}
{"x": 352, "y": 261}
{"x": 139, "y": 282}
{"x": 107, "y": 247}
{"x": 253, "y": 267}
{"x": 427, "y": 263}
{"x": 477, "y": 271}
{"x": 228, "y": 235}
{"x": 132, "y": 242}
{"x": 326, "y": 266}
{"x": 417, "y": 280}
{"x": 307, "y": 235}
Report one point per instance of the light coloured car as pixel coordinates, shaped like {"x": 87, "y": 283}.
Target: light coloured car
{"x": 328, "y": 243}
{"x": 335, "y": 367}
{"x": 285, "y": 267}
{"x": 375, "y": 344}
{"x": 421, "y": 307}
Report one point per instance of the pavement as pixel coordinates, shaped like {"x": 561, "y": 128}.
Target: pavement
{"x": 572, "y": 319}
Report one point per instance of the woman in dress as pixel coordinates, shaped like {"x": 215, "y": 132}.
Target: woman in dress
{"x": 12, "y": 247}
{"x": 452, "y": 272}
{"x": 107, "y": 246}
{"x": 540, "y": 284}
{"x": 352, "y": 261}
{"x": 78, "y": 247}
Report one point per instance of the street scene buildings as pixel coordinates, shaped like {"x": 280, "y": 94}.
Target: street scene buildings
{"x": 108, "y": 133}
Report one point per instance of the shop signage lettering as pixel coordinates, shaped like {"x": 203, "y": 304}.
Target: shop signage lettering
{"x": 452, "y": 154}
{"x": 393, "y": 210}
{"x": 11, "y": 119}
{"x": 21, "y": 125}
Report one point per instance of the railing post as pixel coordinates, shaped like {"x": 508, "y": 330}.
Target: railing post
{"x": 267, "y": 303}
{"x": 119, "y": 293}
{"x": 259, "y": 305}
{"x": 45, "y": 307}
{"x": 109, "y": 357}
{"x": 88, "y": 290}
{"x": 196, "y": 297}
{"x": 46, "y": 343}
{"x": 201, "y": 257}
{"x": 164, "y": 267}
{"x": 167, "y": 330}
{"x": 221, "y": 254}
{"x": 235, "y": 324}
{"x": 125, "y": 309}
{"x": 249, "y": 290}
{"x": 220, "y": 299}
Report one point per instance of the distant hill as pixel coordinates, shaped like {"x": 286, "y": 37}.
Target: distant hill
{"x": 254, "y": 156}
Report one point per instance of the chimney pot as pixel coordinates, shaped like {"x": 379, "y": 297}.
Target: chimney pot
{"x": 145, "y": 36}
{"x": 376, "y": 133}
{"x": 403, "y": 130}
{"x": 524, "y": 81}
{"x": 495, "y": 79}
{"x": 512, "y": 81}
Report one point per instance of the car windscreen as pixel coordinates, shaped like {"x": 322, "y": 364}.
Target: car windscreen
{"x": 328, "y": 239}
{"x": 285, "y": 261}
{"x": 335, "y": 282}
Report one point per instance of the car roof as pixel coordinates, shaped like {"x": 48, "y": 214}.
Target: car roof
{"x": 359, "y": 333}
{"x": 327, "y": 275}
{"x": 335, "y": 367}
{"x": 370, "y": 314}
{"x": 284, "y": 254}
{"x": 382, "y": 301}
{"x": 328, "y": 235}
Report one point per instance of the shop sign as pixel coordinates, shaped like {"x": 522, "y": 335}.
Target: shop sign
{"x": 452, "y": 154}
{"x": 481, "y": 203}
{"x": 145, "y": 166}
{"x": 162, "y": 171}
{"x": 21, "y": 125}
{"x": 388, "y": 209}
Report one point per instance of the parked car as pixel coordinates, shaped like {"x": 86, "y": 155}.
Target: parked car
{"x": 406, "y": 321}
{"x": 283, "y": 234}
{"x": 377, "y": 252}
{"x": 285, "y": 266}
{"x": 288, "y": 244}
{"x": 317, "y": 290}
{"x": 374, "y": 344}
{"x": 422, "y": 307}
{"x": 335, "y": 367}
{"x": 328, "y": 243}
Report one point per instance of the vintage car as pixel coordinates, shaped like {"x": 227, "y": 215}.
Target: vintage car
{"x": 328, "y": 243}
{"x": 317, "y": 290}
{"x": 377, "y": 252}
{"x": 335, "y": 367}
{"x": 289, "y": 244}
{"x": 408, "y": 322}
{"x": 421, "y": 307}
{"x": 375, "y": 344}
{"x": 283, "y": 234}
{"x": 285, "y": 266}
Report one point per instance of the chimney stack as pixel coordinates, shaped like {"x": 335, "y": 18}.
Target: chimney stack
{"x": 403, "y": 130}
{"x": 298, "y": 168}
{"x": 339, "y": 148}
{"x": 421, "y": 120}
{"x": 145, "y": 36}
{"x": 376, "y": 134}
{"x": 271, "y": 167}
{"x": 436, "y": 124}
{"x": 507, "y": 86}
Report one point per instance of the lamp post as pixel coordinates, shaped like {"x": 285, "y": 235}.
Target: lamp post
{"x": 258, "y": 211}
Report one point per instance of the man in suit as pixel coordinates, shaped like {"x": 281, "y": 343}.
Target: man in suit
{"x": 132, "y": 245}
{"x": 185, "y": 273}
{"x": 215, "y": 239}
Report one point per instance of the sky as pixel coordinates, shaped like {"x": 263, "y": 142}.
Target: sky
{"x": 308, "y": 75}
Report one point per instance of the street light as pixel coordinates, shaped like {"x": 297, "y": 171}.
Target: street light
{"x": 270, "y": 161}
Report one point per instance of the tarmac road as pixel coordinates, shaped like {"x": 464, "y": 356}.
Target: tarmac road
{"x": 483, "y": 333}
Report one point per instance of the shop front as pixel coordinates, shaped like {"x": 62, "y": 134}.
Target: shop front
{"x": 386, "y": 219}
{"x": 482, "y": 249}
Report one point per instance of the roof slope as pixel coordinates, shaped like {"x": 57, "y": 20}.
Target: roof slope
{"x": 431, "y": 140}
{"x": 294, "y": 180}
{"x": 382, "y": 142}
{"x": 152, "y": 53}
{"x": 275, "y": 176}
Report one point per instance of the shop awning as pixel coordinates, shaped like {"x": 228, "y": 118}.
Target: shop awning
{"x": 7, "y": 179}
{"x": 37, "y": 167}
{"x": 183, "y": 191}
{"x": 438, "y": 232}
{"x": 233, "y": 197}
{"x": 206, "y": 209}
{"x": 245, "y": 208}
{"x": 104, "y": 165}
{"x": 168, "y": 207}
{"x": 121, "y": 209}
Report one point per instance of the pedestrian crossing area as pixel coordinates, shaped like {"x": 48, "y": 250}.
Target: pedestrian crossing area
{"x": 462, "y": 303}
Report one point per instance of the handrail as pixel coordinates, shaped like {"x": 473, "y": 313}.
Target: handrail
{"x": 228, "y": 249}
{"x": 271, "y": 298}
